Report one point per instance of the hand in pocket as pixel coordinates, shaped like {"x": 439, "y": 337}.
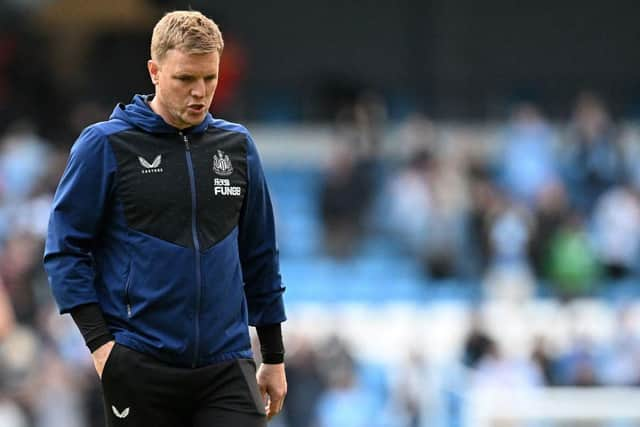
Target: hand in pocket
{"x": 101, "y": 355}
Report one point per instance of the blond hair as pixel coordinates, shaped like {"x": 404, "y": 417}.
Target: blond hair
{"x": 189, "y": 31}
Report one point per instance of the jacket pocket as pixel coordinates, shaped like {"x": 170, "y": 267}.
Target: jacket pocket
{"x": 248, "y": 369}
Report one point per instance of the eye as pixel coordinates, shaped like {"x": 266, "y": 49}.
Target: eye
{"x": 210, "y": 78}
{"x": 184, "y": 78}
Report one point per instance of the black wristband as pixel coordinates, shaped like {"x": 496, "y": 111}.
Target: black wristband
{"x": 93, "y": 327}
{"x": 271, "y": 344}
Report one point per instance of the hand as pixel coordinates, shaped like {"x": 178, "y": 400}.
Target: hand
{"x": 101, "y": 355}
{"x": 273, "y": 387}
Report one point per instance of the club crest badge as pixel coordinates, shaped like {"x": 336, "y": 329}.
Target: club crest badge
{"x": 221, "y": 164}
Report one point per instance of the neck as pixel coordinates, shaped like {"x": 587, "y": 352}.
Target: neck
{"x": 157, "y": 108}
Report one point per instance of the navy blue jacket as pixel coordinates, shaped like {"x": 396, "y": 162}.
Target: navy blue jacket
{"x": 170, "y": 232}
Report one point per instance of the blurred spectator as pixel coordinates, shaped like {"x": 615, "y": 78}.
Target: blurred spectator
{"x": 592, "y": 157}
{"x": 621, "y": 365}
{"x": 345, "y": 197}
{"x": 417, "y": 133}
{"x": 18, "y": 265}
{"x": 415, "y": 395}
{"x": 616, "y": 231}
{"x": 443, "y": 256}
{"x": 10, "y": 413}
{"x": 499, "y": 234}
{"x": 21, "y": 368}
{"x": 497, "y": 370}
{"x": 486, "y": 201}
{"x": 305, "y": 383}
{"x": 59, "y": 401}
{"x": 552, "y": 211}
{"x": 350, "y": 183}
{"x": 347, "y": 402}
{"x": 509, "y": 235}
{"x": 579, "y": 365}
{"x": 23, "y": 157}
{"x": 69, "y": 392}
{"x": 409, "y": 203}
{"x": 7, "y": 318}
{"x": 544, "y": 361}
{"x": 477, "y": 345}
{"x": 509, "y": 275}
{"x": 411, "y": 391}
{"x": 426, "y": 202}
{"x": 361, "y": 123}
{"x": 527, "y": 163}
{"x": 490, "y": 368}
{"x": 572, "y": 266}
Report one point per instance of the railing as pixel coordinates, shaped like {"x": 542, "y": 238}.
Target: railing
{"x": 558, "y": 406}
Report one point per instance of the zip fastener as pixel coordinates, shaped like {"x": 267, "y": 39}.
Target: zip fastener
{"x": 126, "y": 294}
{"x": 196, "y": 245}
{"x": 127, "y": 288}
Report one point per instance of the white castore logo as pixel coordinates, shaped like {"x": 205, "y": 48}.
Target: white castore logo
{"x": 153, "y": 167}
{"x": 123, "y": 414}
{"x": 222, "y": 164}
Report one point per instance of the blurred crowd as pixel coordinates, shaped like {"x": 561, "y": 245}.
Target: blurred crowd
{"x": 551, "y": 205}
{"x": 542, "y": 207}
{"x": 331, "y": 386}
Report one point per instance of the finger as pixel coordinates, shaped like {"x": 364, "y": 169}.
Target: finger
{"x": 263, "y": 392}
{"x": 281, "y": 402}
{"x": 267, "y": 403}
{"x": 275, "y": 406}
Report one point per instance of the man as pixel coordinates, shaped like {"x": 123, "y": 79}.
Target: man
{"x": 162, "y": 247}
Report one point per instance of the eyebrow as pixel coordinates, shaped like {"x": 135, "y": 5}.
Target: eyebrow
{"x": 184, "y": 74}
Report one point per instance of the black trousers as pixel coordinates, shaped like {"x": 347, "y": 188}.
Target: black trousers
{"x": 140, "y": 391}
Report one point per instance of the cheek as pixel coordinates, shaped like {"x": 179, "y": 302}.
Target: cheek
{"x": 175, "y": 93}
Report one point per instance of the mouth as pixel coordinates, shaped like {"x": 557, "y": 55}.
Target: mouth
{"x": 195, "y": 108}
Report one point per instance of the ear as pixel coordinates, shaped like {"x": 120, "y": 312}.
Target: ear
{"x": 154, "y": 70}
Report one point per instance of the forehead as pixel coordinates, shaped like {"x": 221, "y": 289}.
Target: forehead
{"x": 176, "y": 60}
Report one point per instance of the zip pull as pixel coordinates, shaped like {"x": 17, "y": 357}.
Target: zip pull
{"x": 186, "y": 141}
{"x": 129, "y": 310}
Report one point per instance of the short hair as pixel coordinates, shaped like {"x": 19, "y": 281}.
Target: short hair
{"x": 187, "y": 30}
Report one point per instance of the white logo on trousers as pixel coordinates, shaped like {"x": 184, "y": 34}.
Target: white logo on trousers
{"x": 122, "y": 414}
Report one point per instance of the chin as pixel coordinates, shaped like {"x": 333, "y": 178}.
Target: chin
{"x": 193, "y": 121}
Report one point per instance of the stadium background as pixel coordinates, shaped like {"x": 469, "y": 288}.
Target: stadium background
{"x": 456, "y": 188}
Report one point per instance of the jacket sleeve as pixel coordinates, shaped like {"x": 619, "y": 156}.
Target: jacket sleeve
{"x": 75, "y": 218}
{"x": 258, "y": 248}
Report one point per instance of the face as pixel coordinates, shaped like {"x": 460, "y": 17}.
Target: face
{"x": 185, "y": 84}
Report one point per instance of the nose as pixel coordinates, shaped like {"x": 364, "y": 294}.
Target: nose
{"x": 198, "y": 89}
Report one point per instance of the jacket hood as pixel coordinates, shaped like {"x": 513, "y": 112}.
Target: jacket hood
{"x": 139, "y": 114}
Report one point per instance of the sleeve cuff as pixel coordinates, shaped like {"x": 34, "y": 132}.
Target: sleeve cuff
{"x": 271, "y": 344}
{"x": 92, "y": 326}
